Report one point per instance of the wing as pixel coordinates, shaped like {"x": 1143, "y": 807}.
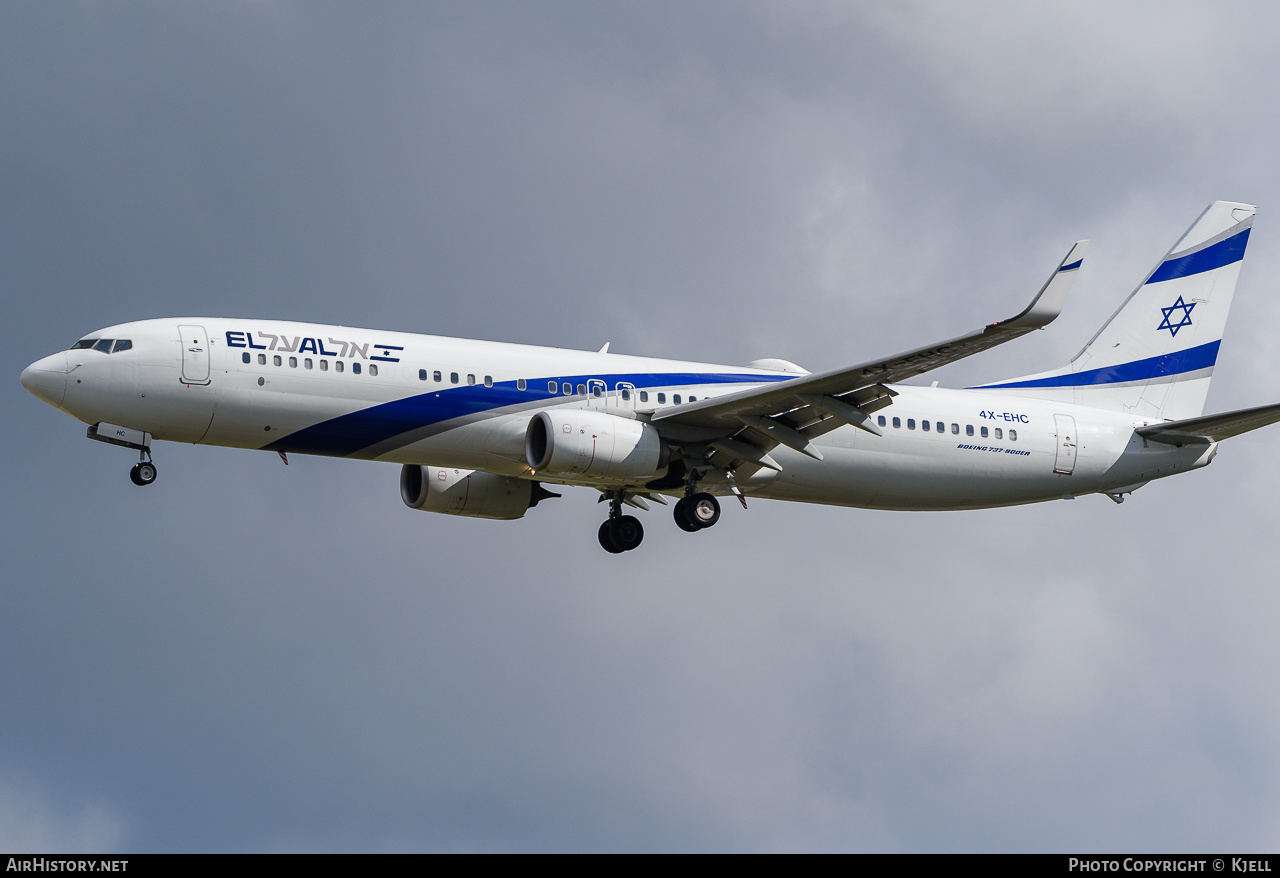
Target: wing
{"x": 793, "y": 412}
{"x": 1211, "y": 428}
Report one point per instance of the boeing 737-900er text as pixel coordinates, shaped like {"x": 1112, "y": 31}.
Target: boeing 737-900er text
{"x": 480, "y": 427}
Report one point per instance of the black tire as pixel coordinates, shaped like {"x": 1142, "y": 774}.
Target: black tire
{"x": 626, "y": 532}
{"x": 683, "y": 520}
{"x": 146, "y": 472}
{"x": 704, "y": 510}
{"x": 133, "y": 475}
{"x": 606, "y": 541}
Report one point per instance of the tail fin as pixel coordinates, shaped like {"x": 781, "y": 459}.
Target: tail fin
{"x": 1155, "y": 356}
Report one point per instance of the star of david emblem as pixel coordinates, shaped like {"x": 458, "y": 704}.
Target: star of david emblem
{"x": 1184, "y": 319}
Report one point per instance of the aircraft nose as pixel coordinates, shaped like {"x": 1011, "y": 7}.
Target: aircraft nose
{"x": 46, "y": 379}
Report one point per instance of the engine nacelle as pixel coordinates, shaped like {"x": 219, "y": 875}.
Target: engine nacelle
{"x": 465, "y": 492}
{"x": 583, "y": 444}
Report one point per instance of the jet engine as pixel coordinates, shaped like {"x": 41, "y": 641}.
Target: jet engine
{"x": 467, "y": 492}
{"x": 582, "y": 444}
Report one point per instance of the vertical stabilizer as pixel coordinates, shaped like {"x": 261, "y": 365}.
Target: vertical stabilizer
{"x": 1155, "y": 356}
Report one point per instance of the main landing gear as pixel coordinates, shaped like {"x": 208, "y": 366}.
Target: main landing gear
{"x": 697, "y": 511}
{"x": 620, "y": 533}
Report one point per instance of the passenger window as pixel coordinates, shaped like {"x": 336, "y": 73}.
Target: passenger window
{"x": 244, "y": 358}
{"x": 984, "y": 432}
{"x": 552, "y": 387}
{"x": 693, "y": 399}
{"x": 881, "y": 421}
{"x": 488, "y": 381}
{"x": 324, "y": 365}
{"x": 897, "y": 423}
{"x": 1013, "y": 435}
{"x": 968, "y": 429}
{"x": 521, "y": 385}
{"x": 436, "y": 377}
{"x": 373, "y": 369}
{"x": 453, "y": 377}
{"x": 422, "y": 374}
{"x": 924, "y": 425}
{"x": 104, "y": 345}
{"x": 999, "y": 433}
{"x": 122, "y": 344}
{"x": 337, "y": 366}
{"x": 293, "y": 362}
{"x": 911, "y": 423}
{"x": 582, "y": 390}
{"x": 307, "y": 363}
{"x": 942, "y": 428}
{"x": 276, "y": 360}
{"x": 955, "y": 429}
{"x": 471, "y": 380}
{"x": 262, "y": 359}
{"x": 84, "y": 344}
{"x": 644, "y": 396}
{"x": 567, "y": 389}
{"x": 626, "y": 393}
{"x": 596, "y": 390}
{"x": 675, "y": 398}
{"x": 355, "y": 368}
{"x": 662, "y": 399}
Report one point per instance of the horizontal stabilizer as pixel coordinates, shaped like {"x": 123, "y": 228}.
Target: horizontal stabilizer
{"x": 1211, "y": 428}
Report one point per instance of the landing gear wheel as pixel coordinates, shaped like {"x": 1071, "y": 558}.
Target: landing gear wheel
{"x": 703, "y": 510}
{"x": 683, "y": 519}
{"x": 143, "y": 473}
{"x": 606, "y": 541}
{"x": 626, "y": 532}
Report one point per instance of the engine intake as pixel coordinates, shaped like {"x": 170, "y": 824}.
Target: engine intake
{"x": 587, "y": 445}
{"x": 467, "y": 492}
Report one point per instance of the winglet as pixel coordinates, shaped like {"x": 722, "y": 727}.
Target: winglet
{"x": 1047, "y": 304}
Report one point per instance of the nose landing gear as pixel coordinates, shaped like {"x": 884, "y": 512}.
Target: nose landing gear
{"x": 143, "y": 473}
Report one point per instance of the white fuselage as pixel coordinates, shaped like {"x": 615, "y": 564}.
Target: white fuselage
{"x": 419, "y": 399}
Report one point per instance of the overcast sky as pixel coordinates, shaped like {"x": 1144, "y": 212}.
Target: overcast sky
{"x": 245, "y": 657}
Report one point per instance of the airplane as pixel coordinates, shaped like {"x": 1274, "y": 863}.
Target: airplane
{"x": 480, "y": 428}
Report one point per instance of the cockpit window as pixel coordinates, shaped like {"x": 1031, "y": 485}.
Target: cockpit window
{"x": 84, "y": 343}
{"x": 104, "y": 345}
{"x": 122, "y": 344}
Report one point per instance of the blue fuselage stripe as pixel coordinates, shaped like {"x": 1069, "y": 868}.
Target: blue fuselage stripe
{"x": 1220, "y": 254}
{"x": 348, "y": 434}
{"x": 1177, "y": 363}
